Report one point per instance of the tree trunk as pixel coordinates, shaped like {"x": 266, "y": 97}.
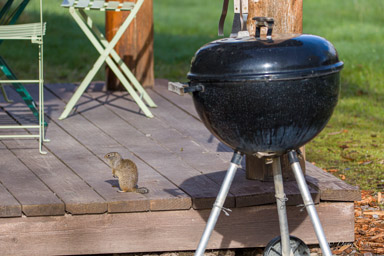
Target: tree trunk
{"x": 135, "y": 46}
{"x": 288, "y": 16}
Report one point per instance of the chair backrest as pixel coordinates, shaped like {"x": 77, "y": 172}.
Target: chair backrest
{"x": 9, "y": 14}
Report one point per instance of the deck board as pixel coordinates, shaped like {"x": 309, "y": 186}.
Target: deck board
{"x": 331, "y": 187}
{"x": 186, "y": 148}
{"x": 165, "y": 230}
{"x": 100, "y": 143}
{"x": 200, "y": 188}
{"x": 187, "y": 105}
{"x": 179, "y": 161}
{"x": 182, "y": 120}
{"x": 91, "y": 169}
{"x": 247, "y": 192}
{"x": 9, "y": 207}
{"x": 78, "y": 197}
{"x": 34, "y": 196}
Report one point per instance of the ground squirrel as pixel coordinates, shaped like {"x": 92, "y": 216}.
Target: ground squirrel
{"x": 126, "y": 171}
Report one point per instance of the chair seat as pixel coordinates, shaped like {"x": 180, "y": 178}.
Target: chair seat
{"x": 99, "y": 5}
{"x": 22, "y": 31}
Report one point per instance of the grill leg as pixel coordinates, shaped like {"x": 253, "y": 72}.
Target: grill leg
{"x": 308, "y": 202}
{"x": 218, "y": 205}
{"x": 281, "y": 208}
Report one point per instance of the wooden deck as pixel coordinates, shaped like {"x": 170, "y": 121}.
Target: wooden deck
{"x": 66, "y": 202}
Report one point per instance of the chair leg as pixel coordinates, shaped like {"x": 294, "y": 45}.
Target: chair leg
{"x": 126, "y": 71}
{"x": 104, "y": 57}
{"x": 5, "y": 94}
{"x": 20, "y": 89}
{"x": 41, "y": 103}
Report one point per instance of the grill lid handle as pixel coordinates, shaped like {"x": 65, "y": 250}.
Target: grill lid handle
{"x": 182, "y": 88}
{"x": 264, "y": 22}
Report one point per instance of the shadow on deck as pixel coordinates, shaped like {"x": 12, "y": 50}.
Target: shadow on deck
{"x": 66, "y": 202}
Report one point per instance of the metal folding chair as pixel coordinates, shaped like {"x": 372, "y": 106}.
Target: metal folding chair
{"x": 33, "y": 32}
{"x": 8, "y": 16}
{"x": 105, "y": 49}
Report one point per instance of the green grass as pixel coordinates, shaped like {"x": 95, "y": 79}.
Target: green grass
{"x": 352, "y": 143}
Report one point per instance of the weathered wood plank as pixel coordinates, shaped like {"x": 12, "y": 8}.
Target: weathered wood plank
{"x": 255, "y": 192}
{"x": 121, "y": 134}
{"x": 187, "y": 124}
{"x": 78, "y": 196}
{"x": 163, "y": 194}
{"x": 87, "y": 166}
{"x": 183, "y": 102}
{"x": 165, "y": 135}
{"x": 165, "y": 230}
{"x": 83, "y": 198}
{"x": 9, "y": 206}
{"x": 336, "y": 190}
{"x": 331, "y": 188}
{"x": 93, "y": 170}
{"x": 35, "y": 197}
{"x": 253, "y": 166}
{"x": 187, "y": 149}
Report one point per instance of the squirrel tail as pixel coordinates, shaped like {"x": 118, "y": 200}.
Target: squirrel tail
{"x": 142, "y": 190}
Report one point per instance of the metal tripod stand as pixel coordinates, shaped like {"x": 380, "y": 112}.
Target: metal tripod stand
{"x": 285, "y": 246}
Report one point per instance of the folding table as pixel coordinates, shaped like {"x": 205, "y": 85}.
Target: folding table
{"x": 105, "y": 49}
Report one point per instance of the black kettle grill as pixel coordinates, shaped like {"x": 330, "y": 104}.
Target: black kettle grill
{"x": 266, "y": 96}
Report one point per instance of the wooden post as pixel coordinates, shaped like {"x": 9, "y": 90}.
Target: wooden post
{"x": 135, "y": 46}
{"x": 288, "y": 16}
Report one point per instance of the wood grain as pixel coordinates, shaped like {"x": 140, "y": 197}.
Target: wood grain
{"x": 135, "y": 46}
{"x": 77, "y": 195}
{"x": 89, "y": 168}
{"x": 189, "y": 150}
{"x": 100, "y": 143}
{"x": 35, "y": 197}
{"x": 118, "y": 136}
{"x": 189, "y": 126}
{"x": 175, "y": 162}
{"x": 165, "y": 230}
{"x": 9, "y": 206}
{"x": 107, "y": 122}
{"x": 288, "y": 15}
{"x": 256, "y": 168}
{"x": 184, "y": 121}
{"x": 331, "y": 188}
{"x": 185, "y": 102}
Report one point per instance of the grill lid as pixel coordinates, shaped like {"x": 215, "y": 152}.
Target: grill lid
{"x": 273, "y": 57}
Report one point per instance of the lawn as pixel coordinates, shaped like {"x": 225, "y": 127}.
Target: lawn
{"x": 350, "y": 147}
